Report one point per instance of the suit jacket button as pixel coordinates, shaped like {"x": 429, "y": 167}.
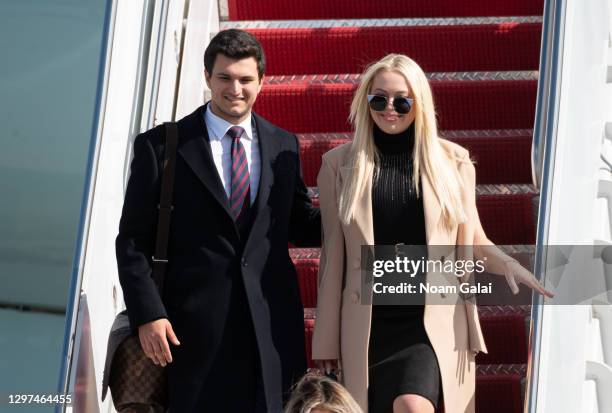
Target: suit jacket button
{"x": 244, "y": 262}
{"x": 355, "y": 297}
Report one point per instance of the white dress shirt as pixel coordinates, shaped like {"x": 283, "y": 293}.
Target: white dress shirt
{"x": 221, "y": 146}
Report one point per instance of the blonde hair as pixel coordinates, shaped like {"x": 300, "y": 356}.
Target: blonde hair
{"x": 314, "y": 391}
{"x": 428, "y": 156}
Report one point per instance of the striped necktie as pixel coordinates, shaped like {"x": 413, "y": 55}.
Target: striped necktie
{"x": 240, "y": 192}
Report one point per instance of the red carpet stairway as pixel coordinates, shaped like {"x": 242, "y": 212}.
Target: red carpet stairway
{"x": 481, "y": 57}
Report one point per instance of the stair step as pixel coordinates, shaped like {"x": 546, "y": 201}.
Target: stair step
{"x": 507, "y": 346}
{"x": 502, "y": 369}
{"x": 306, "y": 261}
{"x": 353, "y": 9}
{"x": 489, "y": 150}
{"x": 306, "y": 48}
{"x": 315, "y": 104}
{"x": 507, "y": 215}
{"x": 504, "y": 346}
{"x": 506, "y": 212}
{"x": 506, "y": 339}
{"x": 499, "y": 393}
{"x": 376, "y": 22}
{"x": 483, "y": 310}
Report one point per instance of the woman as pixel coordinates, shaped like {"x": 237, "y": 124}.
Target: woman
{"x": 315, "y": 393}
{"x": 397, "y": 182}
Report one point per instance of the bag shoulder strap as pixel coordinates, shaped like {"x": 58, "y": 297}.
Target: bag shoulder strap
{"x": 160, "y": 259}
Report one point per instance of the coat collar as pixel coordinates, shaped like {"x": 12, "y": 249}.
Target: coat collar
{"x": 194, "y": 147}
{"x": 268, "y": 148}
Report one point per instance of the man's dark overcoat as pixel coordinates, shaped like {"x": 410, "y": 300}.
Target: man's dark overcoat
{"x": 231, "y": 294}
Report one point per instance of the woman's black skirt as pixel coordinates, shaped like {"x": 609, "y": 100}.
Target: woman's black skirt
{"x": 401, "y": 359}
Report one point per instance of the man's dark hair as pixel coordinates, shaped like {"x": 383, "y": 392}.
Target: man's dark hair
{"x": 235, "y": 44}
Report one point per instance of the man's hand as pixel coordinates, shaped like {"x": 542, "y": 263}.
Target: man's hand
{"x": 327, "y": 366}
{"x": 154, "y": 340}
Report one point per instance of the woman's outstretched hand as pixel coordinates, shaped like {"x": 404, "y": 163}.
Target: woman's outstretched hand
{"x": 516, "y": 274}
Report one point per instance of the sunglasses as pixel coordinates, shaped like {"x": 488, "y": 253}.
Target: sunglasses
{"x": 401, "y": 105}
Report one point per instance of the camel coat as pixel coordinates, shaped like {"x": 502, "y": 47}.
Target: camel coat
{"x": 342, "y": 327}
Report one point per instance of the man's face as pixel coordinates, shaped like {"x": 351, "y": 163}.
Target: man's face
{"x": 234, "y": 86}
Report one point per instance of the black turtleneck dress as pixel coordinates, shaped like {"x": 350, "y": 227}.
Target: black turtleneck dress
{"x": 401, "y": 359}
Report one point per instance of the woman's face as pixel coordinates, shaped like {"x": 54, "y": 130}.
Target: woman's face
{"x": 391, "y": 84}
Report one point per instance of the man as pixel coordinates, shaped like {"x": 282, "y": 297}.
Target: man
{"x": 230, "y": 293}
